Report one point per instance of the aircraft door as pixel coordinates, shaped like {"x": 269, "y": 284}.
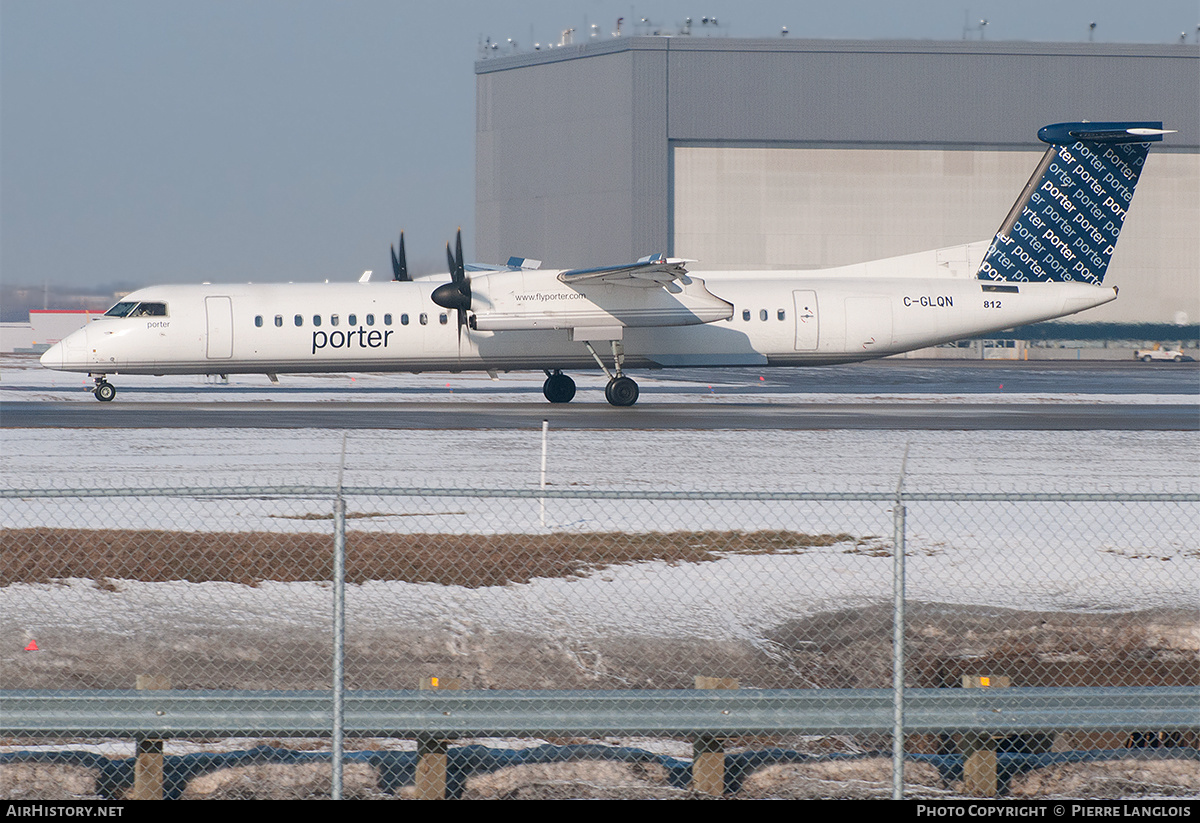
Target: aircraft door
{"x": 219, "y": 311}
{"x": 807, "y": 321}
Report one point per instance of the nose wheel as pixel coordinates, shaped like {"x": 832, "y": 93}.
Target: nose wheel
{"x": 104, "y": 390}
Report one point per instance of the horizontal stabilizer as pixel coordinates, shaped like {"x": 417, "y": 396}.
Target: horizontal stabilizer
{"x": 1066, "y": 134}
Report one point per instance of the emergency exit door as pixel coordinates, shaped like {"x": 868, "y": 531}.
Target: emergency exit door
{"x": 807, "y": 322}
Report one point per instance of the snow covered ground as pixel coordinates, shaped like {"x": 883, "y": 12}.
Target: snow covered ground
{"x": 1064, "y": 556}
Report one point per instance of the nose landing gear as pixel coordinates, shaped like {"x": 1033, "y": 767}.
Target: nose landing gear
{"x": 104, "y": 390}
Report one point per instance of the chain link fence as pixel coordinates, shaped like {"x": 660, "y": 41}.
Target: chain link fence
{"x": 538, "y": 605}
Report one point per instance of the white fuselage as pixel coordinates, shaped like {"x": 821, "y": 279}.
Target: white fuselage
{"x": 777, "y": 318}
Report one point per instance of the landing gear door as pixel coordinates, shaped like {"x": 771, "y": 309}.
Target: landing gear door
{"x": 220, "y": 327}
{"x": 807, "y": 325}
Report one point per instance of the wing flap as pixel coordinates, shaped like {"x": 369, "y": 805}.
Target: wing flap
{"x": 652, "y": 270}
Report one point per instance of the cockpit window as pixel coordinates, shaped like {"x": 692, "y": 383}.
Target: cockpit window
{"x": 133, "y": 309}
{"x": 121, "y": 309}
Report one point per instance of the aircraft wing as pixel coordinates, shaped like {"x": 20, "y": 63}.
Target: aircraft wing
{"x": 652, "y": 270}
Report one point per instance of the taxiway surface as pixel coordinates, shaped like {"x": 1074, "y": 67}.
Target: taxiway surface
{"x": 896, "y": 394}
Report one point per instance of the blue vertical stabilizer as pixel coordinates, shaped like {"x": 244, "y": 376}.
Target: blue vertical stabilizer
{"x": 1065, "y": 224}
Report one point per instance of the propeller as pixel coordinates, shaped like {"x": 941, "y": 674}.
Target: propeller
{"x": 457, "y": 293}
{"x": 400, "y": 264}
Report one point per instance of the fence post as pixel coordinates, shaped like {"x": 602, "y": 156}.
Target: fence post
{"x": 979, "y": 748}
{"x": 708, "y": 752}
{"x": 148, "y": 762}
{"x": 339, "y": 643}
{"x": 432, "y": 755}
{"x": 898, "y": 543}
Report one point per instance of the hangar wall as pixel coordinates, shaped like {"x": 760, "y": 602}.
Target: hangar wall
{"x": 804, "y": 154}
{"x": 771, "y": 207}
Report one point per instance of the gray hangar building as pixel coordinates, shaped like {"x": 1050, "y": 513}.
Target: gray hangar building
{"x": 804, "y": 154}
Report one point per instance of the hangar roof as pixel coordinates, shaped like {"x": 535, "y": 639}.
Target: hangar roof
{"x": 884, "y": 92}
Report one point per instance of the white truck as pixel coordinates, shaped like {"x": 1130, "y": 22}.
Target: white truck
{"x": 1158, "y": 353}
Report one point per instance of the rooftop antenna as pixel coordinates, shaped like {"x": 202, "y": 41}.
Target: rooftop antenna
{"x": 1091, "y": 31}
{"x": 617, "y": 33}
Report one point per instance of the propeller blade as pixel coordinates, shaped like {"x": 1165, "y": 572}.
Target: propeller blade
{"x": 400, "y": 264}
{"x": 457, "y": 293}
{"x": 458, "y": 258}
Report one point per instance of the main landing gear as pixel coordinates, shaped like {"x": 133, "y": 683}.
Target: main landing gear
{"x": 558, "y": 388}
{"x": 620, "y": 391}
{"x": 104, "y": 390}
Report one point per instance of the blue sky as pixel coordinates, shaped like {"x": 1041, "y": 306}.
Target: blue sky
{"x": 148, "y": 141}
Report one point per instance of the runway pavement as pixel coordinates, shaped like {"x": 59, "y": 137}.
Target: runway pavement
{"x": 901, "y": 394}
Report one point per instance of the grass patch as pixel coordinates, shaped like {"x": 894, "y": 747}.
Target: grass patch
{"x": 42, "y": 555}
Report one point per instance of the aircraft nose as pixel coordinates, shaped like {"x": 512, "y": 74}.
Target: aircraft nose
{"x": 52, "y": 358}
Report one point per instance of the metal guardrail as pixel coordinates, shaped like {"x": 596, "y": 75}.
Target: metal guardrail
{"x": 451, "y": 714}
{"x": 601, "y": 494}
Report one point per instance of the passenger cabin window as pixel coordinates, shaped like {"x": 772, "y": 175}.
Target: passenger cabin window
{"x": 442, "y": 318}
{"x": 299, "y": 320}
{"x": 762, "y": 315}
{"x": 279, "y": 321}
{"x": 404, "y": 320}
{"x": 387, "y": 320}
{"x": 333, "y": 319}
{"x": 316, "y": 319}
{"x": 370, "y": 320}
{"x": 424, "y": 319}
{"x": 353, "y": 319}
{"x": 745, "y": 314}
{"x": 782, "y": 314}
{"x": 258, "y": 320}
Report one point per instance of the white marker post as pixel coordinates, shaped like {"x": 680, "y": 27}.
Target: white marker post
{"x": 542, "y": 500}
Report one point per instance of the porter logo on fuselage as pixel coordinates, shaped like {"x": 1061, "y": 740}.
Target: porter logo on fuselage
{"x": 360, "y": 337}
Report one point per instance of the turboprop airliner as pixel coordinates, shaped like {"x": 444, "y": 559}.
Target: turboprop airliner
{"x": 1047, "y": 260}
